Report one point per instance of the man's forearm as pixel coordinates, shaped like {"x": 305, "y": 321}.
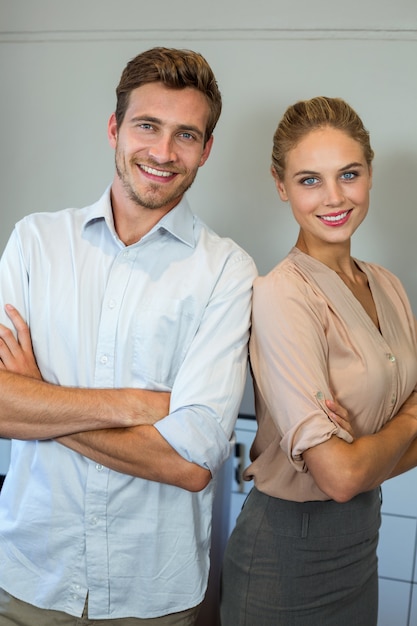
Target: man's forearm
{"x": 34, "y": 409}
{"x": 139, "y": 451}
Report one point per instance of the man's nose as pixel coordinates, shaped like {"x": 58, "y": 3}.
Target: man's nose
{"x": 162, "y": 149}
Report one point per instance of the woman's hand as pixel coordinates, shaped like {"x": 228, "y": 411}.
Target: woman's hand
{"x": 410, "y": 405}
{"x": 340, "y": 416}
{"x": 16, "y": 355}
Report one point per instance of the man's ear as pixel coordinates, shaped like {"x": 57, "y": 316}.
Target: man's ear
{"x": 112, "y": 130}
{"x": 279, "y": 184}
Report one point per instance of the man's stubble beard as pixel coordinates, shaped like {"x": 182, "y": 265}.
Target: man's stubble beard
{"x": 153, "y": 201}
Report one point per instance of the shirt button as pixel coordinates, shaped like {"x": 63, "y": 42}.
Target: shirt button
{"x": 391, "y": 358}
{"x": 94, "y": 521}
{"x": 112, "y": 304}
{"x": 104, "y": 359}
{"x": 99, "y": 467}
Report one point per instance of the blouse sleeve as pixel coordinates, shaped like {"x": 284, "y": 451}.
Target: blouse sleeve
{"x": 289, "y": 359}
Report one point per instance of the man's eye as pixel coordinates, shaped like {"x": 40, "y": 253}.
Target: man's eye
{"x": 188, "y": 136}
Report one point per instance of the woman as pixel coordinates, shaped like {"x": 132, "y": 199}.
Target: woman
{"x": 325, "y": 326}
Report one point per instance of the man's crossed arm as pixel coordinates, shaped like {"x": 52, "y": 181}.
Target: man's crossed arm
{"x": 111, "y": 426}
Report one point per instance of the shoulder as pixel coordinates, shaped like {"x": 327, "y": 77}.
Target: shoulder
{"x": 45, "y": 223}
{"x": 224, "y": 249}
{"x": 377, "y": 270}
{"x": 382, "y": 277}
{"x": 45, "y": 220}
{"x": 286, "y": 279}
{"x": 288, "y": 295}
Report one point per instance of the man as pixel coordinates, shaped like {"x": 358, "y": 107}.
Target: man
{"x": 139, "y": 318}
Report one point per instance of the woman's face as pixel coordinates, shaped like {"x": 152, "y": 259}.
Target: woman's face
{"x": 327, "y": 183}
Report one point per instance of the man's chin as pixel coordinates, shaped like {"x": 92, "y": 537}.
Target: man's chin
{"x": 156, "y": 202}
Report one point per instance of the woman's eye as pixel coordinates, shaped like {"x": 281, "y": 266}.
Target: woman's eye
{"x": 348, "y": 175}
{"x": 309, "y": 181}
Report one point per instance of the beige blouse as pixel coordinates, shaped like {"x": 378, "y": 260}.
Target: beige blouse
{"x": 312, "y": 340}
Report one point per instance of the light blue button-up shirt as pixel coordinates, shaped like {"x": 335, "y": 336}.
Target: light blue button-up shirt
{"x": 170, "y": 312}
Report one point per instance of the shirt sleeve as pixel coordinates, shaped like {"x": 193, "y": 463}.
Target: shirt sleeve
{"x": 289, "y": 357}
{"x": 13, "y": 280}
{"x": 208, "y": 389}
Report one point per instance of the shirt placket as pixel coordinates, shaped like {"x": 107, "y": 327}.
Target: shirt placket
{"x": 96, "y": 499}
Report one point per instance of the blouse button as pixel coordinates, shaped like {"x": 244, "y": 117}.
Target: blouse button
{"x": 391, "y": 358}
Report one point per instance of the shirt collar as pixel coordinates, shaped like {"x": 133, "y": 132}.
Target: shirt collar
{"x": 179, "y": 222}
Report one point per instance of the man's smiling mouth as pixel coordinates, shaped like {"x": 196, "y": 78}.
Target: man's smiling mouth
{"x": 154, "y": 172}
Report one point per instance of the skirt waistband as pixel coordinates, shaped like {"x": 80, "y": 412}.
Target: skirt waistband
{"x": 318, "y": 518}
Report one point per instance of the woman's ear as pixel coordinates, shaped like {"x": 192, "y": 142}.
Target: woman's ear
{"x": 279, "y": 184}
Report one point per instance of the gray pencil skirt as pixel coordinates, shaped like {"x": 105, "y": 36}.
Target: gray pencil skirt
{"x": 302, "y": 564}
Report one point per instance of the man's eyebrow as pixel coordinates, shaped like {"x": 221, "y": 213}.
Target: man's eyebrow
{"x": 146, "y": 118}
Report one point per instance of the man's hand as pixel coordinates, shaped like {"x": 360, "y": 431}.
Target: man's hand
{"x": 16, "y": 355}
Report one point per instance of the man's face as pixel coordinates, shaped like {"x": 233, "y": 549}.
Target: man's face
{"x": 160, "y": 144}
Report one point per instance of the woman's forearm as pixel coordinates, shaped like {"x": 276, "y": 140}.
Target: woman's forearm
{"x": 342, "y": 470}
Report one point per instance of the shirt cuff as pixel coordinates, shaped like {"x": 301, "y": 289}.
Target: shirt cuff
{"x": 196, "y": 436}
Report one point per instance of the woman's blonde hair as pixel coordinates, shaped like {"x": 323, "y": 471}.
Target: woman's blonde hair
{"x": 307, "y": 115}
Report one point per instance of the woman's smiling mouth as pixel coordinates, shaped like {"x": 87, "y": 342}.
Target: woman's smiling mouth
{"x": 335, "y": 219}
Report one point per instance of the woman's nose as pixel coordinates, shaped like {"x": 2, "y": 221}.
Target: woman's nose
{"x": 333, "y": 195}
